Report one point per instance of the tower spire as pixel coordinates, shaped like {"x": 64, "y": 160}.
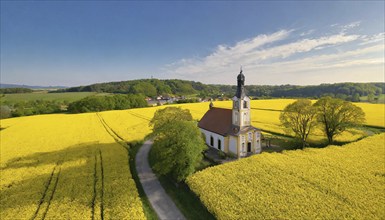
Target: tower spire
{"x": 240, "y": 85}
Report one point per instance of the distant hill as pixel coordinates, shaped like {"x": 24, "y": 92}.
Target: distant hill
{"x": 148, "y": 87}
{"x": 3, "y": 85}
{"x": 171, "y": 87}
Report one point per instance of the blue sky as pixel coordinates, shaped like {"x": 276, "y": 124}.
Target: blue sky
{"x": 281, "y": 42}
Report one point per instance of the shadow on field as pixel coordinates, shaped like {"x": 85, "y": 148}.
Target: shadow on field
{"x": 72, "y": 153}
{"x": 32, "y": 185}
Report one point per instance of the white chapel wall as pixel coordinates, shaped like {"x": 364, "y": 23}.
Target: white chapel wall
{"x": 216, "y": 137}
{"x": 233, "y": 145}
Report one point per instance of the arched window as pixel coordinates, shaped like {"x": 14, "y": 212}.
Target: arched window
{"x": 211, "y": 141}
{"x": 244, "y": 104}
{"x": 235, "y": 104}
{"x": 219, "y": 144}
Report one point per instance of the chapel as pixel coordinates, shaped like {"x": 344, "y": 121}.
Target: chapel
{"x": 230, "y": 130}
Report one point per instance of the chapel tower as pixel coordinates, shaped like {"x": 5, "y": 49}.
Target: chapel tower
{"x": 241, "y": 105}
{"x": 230, "y": 130}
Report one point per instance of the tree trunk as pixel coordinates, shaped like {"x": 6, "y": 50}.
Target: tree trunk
{"x": 330, "y": 139}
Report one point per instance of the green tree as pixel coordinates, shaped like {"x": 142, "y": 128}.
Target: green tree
{"x": 145, "y": 88}
{"x": 299, "y": 118}
{"x": 178, "y": 150}
{"x": 337, "y": 115}
{"x": 178, "y": 144}
{"x": 370, "y": 97}
{"x": 168, "y": 115}
{"x": 356, "y": 97}
{"x": 5, "y": 111}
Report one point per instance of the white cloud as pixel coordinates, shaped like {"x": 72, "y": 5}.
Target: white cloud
{"x": 284, "y": 54}
{"x": 224, "y": 55}
{"x": 307, "y": 32}
{"x": 305, "y": 45}
{"x": 373, "y": 39}
{"x": 350, "y": 26}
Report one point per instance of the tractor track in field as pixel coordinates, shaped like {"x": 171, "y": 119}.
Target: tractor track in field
{"x": 118, "y": 139}
{"x": 53, "y": 193}
{"x": 102, "y": 190}
{"x": 53, "y": 179}
{"x": 94, "y": 195}
{"x": 98, "y": 196}
{"x": 140, "y": 116}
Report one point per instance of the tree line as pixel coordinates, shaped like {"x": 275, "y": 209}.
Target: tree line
{"x": 35, "y": 107}
{"x": 107, "y": 102}
{"x": 333, "y": 116}
{"x": 15, "y": 90}
{"x": 147, "y": 87}
{"x": 89, "y": 104}
{"x": 173, "y": 87}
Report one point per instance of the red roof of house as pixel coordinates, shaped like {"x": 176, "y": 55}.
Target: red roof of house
{"x": 217, "y": 120}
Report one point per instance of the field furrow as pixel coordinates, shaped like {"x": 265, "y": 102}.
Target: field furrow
{"x": 43, "y": 198}
{"x": 97, "y": 199}
{"x": 102, "y": 186}
{"x": 51, "y": 194}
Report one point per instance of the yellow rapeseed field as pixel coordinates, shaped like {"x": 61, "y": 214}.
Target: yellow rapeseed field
{"x": 133, "y": 124}
{"x": 74, "y": 166}
{"x": 265, "y": 115}
{"x": 64, "y": 167}
{"x": 375, "y": 113}
{"x": 330, "y": 183}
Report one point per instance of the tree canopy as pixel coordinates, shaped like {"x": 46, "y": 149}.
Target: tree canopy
{"x": 299, "y": 118}
{"x": 178, "y": 150}
{"x": 337, "y": 115}
{"x": 168, "y": 115}
{"x": 144, "y": 88}
{"x": 178, "y": 144}
{"x": 103, "y": 103}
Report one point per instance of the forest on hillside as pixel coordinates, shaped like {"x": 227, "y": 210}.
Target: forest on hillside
{"x": 132, "y": 94}
{"x": 156, "y": 87}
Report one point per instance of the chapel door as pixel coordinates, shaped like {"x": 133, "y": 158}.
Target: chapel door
{"x": 248, "y": 147}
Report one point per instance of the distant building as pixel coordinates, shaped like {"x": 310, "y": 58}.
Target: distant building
{"x": 230, "y": 130}
{"x": 160, "y": 100}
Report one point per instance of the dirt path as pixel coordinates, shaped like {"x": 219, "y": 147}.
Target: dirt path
{"x": 160, "y": 201}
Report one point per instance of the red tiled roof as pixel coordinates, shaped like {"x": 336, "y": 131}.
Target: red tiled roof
{"x": 217, "y": 120}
